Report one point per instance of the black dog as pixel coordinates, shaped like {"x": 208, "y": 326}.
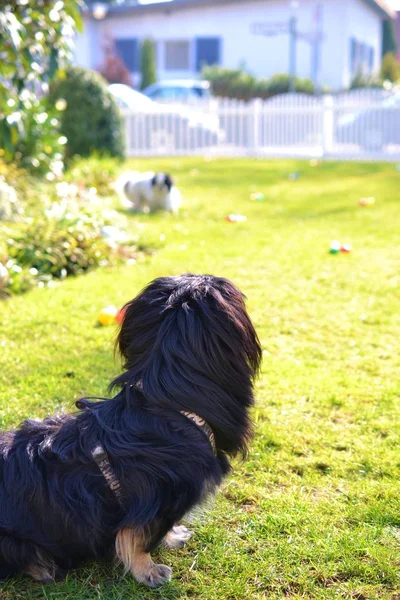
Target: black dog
{"x": 122, "y": 472}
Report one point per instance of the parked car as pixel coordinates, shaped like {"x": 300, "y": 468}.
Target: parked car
{"x": 126, "y": 97}
{"x": 178, "y": 89}
{"x": 371, "y": 128}
{"x": 153, "y": 126}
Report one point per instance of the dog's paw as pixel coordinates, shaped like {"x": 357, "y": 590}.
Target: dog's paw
{"x": 46, "y": 574}
{"x": 177, "y": 537}
{"x": 157, "y": 575}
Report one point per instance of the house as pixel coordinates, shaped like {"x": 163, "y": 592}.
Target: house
{"x": 335, "y": 39}
{"x": 397, "y": 27}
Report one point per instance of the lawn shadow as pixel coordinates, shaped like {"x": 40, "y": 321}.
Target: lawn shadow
{"x": 305, "y": 214}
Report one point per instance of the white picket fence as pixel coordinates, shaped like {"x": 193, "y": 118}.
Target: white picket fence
{"x": 362, "y": 124}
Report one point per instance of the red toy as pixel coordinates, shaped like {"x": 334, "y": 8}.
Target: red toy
{"x": 367, "y": 201}
{"x": 236, "y": 218}
{"x": 119, "y": 317}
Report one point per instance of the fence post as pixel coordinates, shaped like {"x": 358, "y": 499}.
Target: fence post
{"x": 256, "y": 114}
{"x": 128, "y": 136}
{"x": 327, "y": 124}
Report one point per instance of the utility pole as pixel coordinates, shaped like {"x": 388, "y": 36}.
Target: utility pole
{"x": 292, "y": 51}
{"x": 315, "y": 38}
{"x": 316, "y": 48}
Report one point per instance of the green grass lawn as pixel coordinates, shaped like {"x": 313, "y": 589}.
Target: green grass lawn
{"x": 315, "y": 510}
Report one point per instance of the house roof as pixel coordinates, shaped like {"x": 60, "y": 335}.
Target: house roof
{"x": 134, "y": 6}
{"x": 383, "y": 8}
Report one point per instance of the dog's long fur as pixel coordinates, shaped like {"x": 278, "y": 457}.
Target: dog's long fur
{"x": 148, "y": 192}
{"x": 187, "y": 344}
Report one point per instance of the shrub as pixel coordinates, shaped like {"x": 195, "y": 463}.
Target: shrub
{"x": 35, "y": 45}
{"x": 364, "y": 81}
{"x": 237, "y": 83}
{"x": 280, "y": 84}
{"x": 66, "y": 228}
{"x": 41, "y": 149}
{"x": 60, "y": 246}
{"x": 262, "y": 89}
{"x": 91, "y": 120}
{"x": 114, "y": 68}
{"x": 10, "y": 207}
{"x": 390, "y": 69}
{"x": 93, "y": 172}
{"x": 147, "y": 64}
{"x": 244, "y": 87}
{"x": 64, "y": 240}
{"x": 17, "y": 280}
{"x": 222, "y": 80}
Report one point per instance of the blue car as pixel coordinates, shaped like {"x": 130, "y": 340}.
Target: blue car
{"x": 178, "y": 89}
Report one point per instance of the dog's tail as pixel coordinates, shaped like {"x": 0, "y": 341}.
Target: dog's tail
{"x": 173, "y": 201}
{"x": 122, "y": 184}
{"x": 23, "y": 555}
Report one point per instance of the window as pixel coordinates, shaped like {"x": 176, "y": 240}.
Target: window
{"x": 177, "y": 56}
{"x": 361, "y": 57}
{"x": 353, "y": 55}
{"x": 208, "y": 52}
{"x": 127, "y": 49}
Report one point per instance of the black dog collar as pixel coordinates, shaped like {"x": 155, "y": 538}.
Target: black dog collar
{"x": 101, "y": 459}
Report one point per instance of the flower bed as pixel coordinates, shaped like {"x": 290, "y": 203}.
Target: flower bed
{"x": 57, "y": 230}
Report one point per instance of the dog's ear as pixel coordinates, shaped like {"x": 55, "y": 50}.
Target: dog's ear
{"x": 153, "y": 180}
{"x": 168, "y": 181}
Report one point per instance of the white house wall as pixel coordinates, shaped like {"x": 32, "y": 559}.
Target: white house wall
{"x": 264, "y": 56}
{"x": 85, "y": 45}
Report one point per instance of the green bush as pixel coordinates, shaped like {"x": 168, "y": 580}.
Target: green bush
{"x": 16, "y": 280}
{"x": 91, "y": 121}
{"x": 35, "y": 46}
{"x": 222, "y": 80}
{"x": 11, "y": 209}
{"x": 41, "y": 149}
{"x": 66, "y": 227}
{"x": 239, "y": 84}
{"x": 390, "y": 69}
{"x": 364, "y": 81}
{"x": 244, "y": 87}
{"x": 60, "y": 247}
{"x": 93, "y": 172}
{"x": 147, "y": 64}
{"x": 64, "y": 240}
{"x": 280, "y": 84}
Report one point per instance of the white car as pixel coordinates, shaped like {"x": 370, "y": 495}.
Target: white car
{"x": 180, "y": 127}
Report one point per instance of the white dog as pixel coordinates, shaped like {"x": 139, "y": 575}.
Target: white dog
{"x": 148, "y": 192}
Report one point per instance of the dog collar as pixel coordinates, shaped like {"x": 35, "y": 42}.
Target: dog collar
{"x": 204, "y": 426}
{"x": 199, "y": 421}
{"x": 102, "y": 460}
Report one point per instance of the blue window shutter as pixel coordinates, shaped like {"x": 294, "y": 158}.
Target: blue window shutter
{"x": 353, "y": 55}
{"x": 208, "y": 51}
{"x": 128, "y": 50}
{"x": 365, "y": 52}
{"x": 371, "y": 58}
